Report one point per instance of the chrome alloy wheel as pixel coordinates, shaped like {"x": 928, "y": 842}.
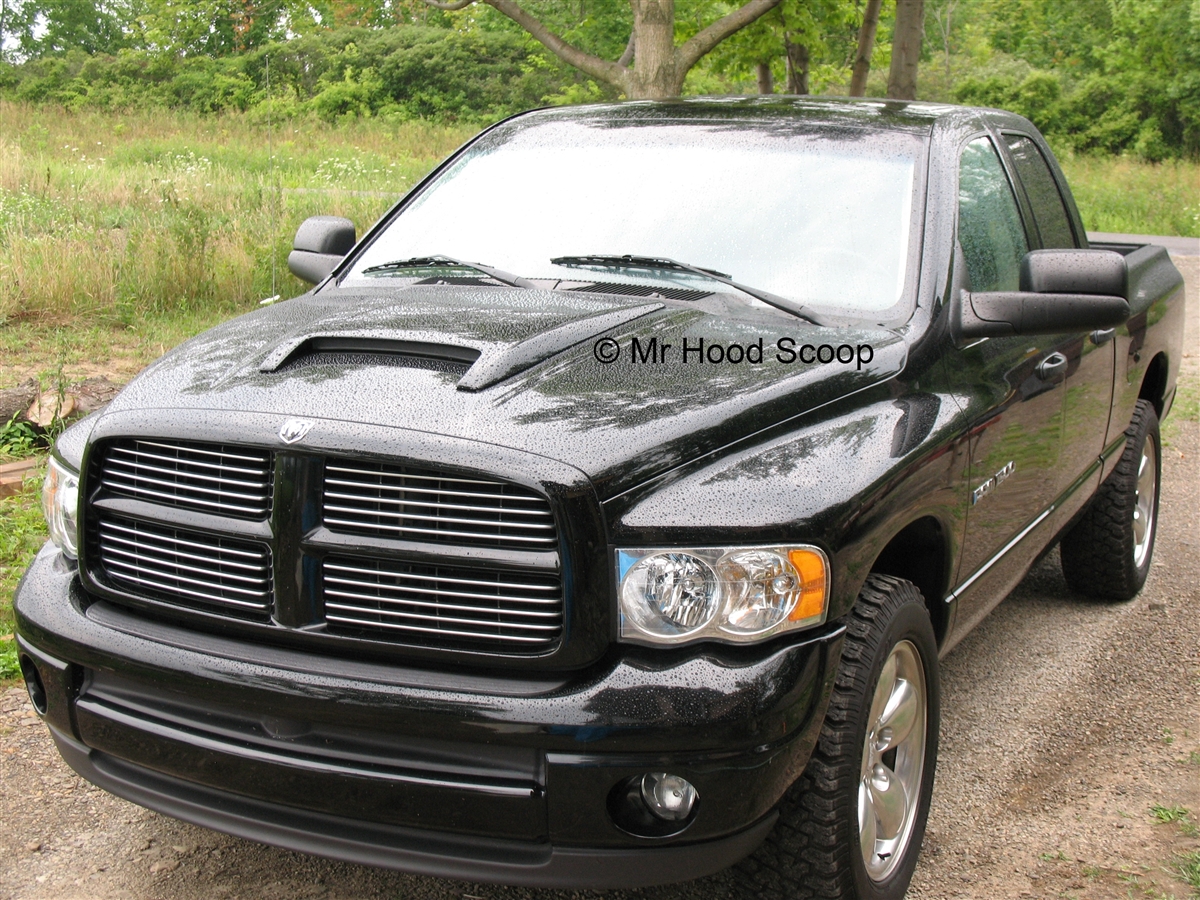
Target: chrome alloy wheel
{"x": 893, "y": 761}
{"x": 1143, "y": 507}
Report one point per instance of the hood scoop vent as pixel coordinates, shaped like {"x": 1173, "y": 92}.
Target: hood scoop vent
{"x": 346, "y": 351}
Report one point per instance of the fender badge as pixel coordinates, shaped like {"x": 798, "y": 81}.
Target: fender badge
{"x": 294, "y": 429}
{"x": 992, "y": 483}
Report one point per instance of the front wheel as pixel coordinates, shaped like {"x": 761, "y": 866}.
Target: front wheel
{"x": 1106, "y": 554}
{"x": 851, "y": 826}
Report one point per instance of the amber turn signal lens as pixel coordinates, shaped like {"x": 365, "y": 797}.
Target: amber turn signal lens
{"x": 813, "y": 580}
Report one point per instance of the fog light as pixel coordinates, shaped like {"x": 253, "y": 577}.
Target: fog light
{"x": 669, "y": 797}
{"x": 33, "y": 684}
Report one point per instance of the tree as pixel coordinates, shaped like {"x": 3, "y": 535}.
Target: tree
{"x": 211, "y": 27}
{"x": 866, "y": 44}
{"x": 906, "y": 49}
{"x": 54, "y": 26}
{"x": 658, "y": 66}
{"x": 8, "y": 12}
{"x": 796, "y": 57}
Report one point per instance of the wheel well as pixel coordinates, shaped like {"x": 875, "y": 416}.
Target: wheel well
{"x": 918, "y": 554}
{"x": 1154, "y": 384}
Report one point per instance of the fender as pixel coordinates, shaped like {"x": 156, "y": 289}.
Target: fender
{"x": 848, "y": 480}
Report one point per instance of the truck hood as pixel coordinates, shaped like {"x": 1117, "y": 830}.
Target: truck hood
{"x": 519, "y": 368}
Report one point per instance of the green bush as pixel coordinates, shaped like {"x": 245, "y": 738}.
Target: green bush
{"x": 409, "y": 72}
{"x": 1098, "y": 113}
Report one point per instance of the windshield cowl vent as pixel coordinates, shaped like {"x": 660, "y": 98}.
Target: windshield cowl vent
{"x": 469, "y": 280}
{"x": 656, "y": 292}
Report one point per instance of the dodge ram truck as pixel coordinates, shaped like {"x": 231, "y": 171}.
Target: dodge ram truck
{"x": 600, "y": 516}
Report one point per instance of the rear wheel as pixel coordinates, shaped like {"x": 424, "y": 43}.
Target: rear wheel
{"x": 1107, "y": 553}
{"x": 851, "y": 826}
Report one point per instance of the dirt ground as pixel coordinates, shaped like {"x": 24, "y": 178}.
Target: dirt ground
{"x": 1063, "y": 724}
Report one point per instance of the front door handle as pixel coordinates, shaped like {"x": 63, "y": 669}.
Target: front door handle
{"x": 1053, "y": 365}
{"x": 1102, "y": 336}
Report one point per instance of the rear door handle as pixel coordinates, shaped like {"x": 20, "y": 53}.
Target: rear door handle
{"x": 1052, "y": 365}
{"x": 1102, "y": 336}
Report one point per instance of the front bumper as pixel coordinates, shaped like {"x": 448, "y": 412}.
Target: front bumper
{"x": 469, "y": 776}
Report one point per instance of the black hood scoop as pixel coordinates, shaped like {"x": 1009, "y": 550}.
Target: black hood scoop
{"x": 477, "y": 368}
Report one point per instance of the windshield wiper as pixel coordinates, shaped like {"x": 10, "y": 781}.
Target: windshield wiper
{"x": 440, "y": 261}
{"x": 662, "y": 262}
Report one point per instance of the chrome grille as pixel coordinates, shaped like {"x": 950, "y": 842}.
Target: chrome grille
{"x": 212, "y": 478}
{"x": 393, "y": 600}
{"x": 186, "y": 569}
{"x": 398, "y": 502}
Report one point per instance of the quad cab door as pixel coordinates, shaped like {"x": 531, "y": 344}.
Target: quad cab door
{"x": 1090, "y": 356}
{"x": 1014, "y": 396}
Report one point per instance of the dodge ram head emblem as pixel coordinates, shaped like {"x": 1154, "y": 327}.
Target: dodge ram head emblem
{"x": 294, "y": 429}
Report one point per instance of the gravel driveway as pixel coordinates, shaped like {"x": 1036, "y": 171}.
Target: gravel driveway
{"x": 1064, "y": 722}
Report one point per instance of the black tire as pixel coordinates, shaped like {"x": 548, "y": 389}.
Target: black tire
{"x": 814, "y": 850}
{"x": 1102, "y": 556}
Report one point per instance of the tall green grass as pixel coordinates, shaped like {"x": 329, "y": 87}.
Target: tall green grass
{"x": 22, "y": 533}
{"x": 113, "y": 218}
{"x": 1117, "y": 193}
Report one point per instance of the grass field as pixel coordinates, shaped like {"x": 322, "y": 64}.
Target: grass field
{"x": 1124, "y": 195}
{"x": 22, "y": 532}
{"x": 122, "y": 235}
{"x": 131, "y": 232}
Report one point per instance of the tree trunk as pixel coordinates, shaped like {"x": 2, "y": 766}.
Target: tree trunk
{"x": 659, "y": 67}
{"x": 766, "y": 80}
{"x": 906, "y": 49}
{"x": 797, "y": 67}
{"x": 14, "y": 401}
{"x": 630, "y": 46}
{"x": 945, "y": 29}
{"x": 654, "y": 75}
{"x": 866, "y": 44}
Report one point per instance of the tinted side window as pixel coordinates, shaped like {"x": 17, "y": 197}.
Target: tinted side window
{"x": 1053, "y": 223}
{"x": 989, "y": 223}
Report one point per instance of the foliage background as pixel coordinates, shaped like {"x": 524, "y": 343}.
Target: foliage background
{"x": 1108, "y": 76}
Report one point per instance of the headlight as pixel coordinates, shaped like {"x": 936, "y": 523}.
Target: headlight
{"x": 60, "y": 505}
{"x": 737, "y": 594}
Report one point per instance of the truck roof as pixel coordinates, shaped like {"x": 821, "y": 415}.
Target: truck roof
{"x": 872, "y": 113}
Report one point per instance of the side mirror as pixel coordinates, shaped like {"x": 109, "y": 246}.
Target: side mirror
{"x": 1074, "y": 272}
{"x": 321, "y": 243}
{"x": 1061, "y": 290}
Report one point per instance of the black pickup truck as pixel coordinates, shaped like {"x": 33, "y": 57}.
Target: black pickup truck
{"x": 600, "y": 517}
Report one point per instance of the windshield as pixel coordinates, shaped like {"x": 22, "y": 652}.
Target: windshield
{"x": 819, "y": 217}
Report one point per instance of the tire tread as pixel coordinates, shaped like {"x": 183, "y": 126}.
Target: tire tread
{"x": 1097, "y": 553}
{"x": 808, "y": 854}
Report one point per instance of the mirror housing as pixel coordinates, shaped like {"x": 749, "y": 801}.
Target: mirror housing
{"x": 1075, "y": 272}
{"x": 321, "y": 243}
{"x": 1061, "y": 290}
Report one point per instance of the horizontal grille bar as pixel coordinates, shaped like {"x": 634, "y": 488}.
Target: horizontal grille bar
{"x": 397, "y": 502}
{"x": 211, "y": 478}
{"x": 393, "y": 600}
{"x": 186, "y": 569}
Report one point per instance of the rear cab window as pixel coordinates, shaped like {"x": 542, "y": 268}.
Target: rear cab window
{"x": 1050, "y": 215}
